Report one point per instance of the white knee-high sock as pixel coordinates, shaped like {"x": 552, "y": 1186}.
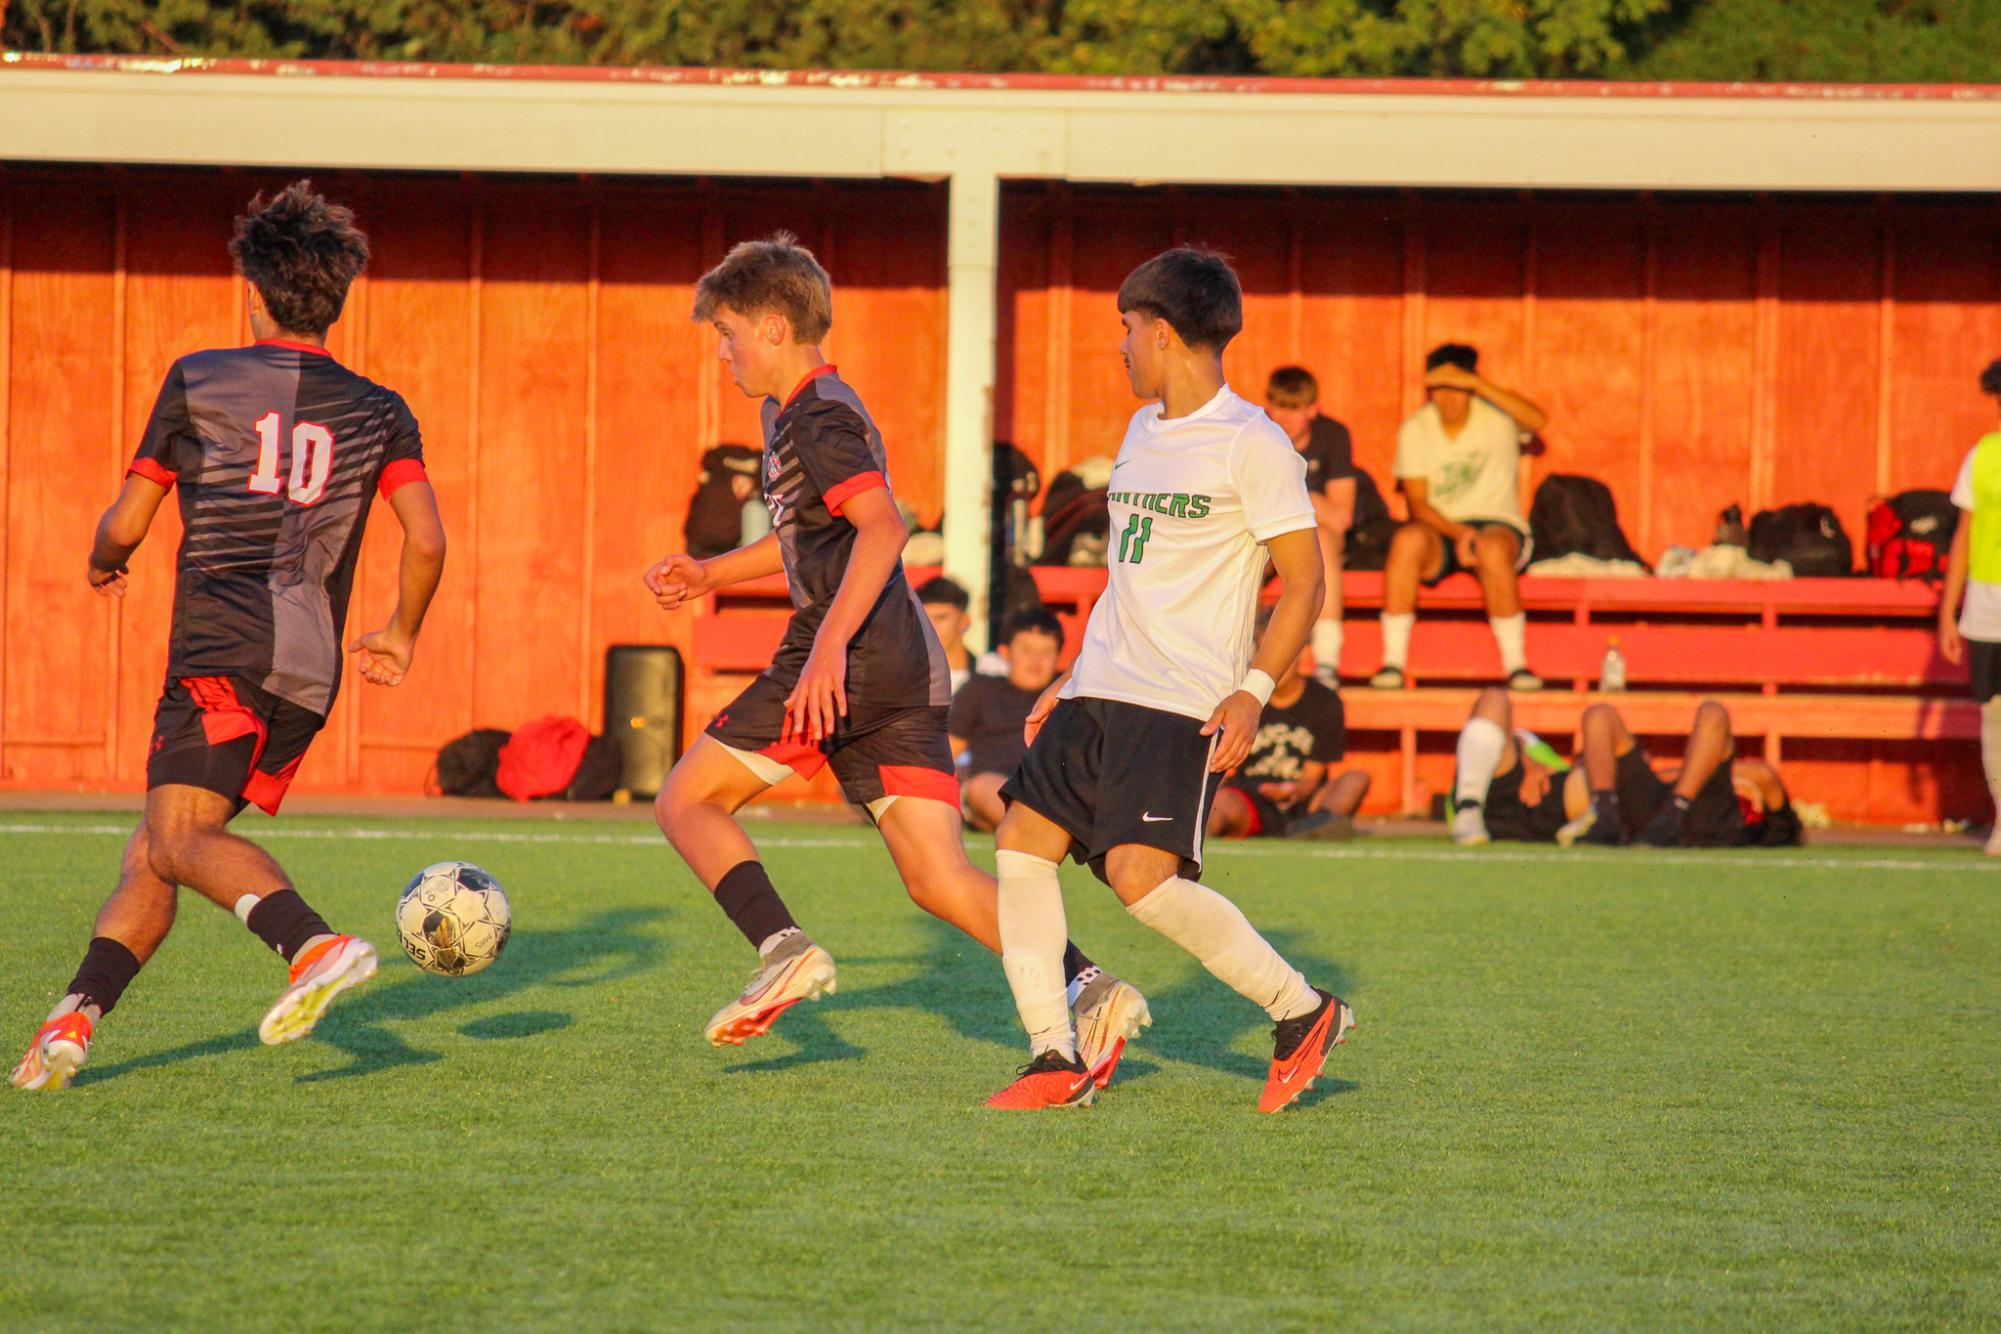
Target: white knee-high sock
{"x": 1990, "y": 748}
{"x": 1327, "y": 644}
{"x": 1396, "y": 637}
{"x": 1481, "y": 742}
{"x": 1215, "y": 931}
{"x": 1032, "y": 932}
{"x": 1511, "y": 633}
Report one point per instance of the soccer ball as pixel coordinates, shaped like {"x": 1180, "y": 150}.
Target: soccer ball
{"x": 453, "y": 919}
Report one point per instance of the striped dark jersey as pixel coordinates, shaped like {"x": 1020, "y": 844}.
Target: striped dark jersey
{"x": 277, "y": 450}
{"x": 820, "y": 451}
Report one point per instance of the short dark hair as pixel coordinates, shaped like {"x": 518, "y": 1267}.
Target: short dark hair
{"x": 774, "y": 276}
{"x": 302, "y": 254}
{"x": 941, "y": 591}
{"x": 1032, "y": 620}
{"x": 1292, "y": 387}
{"x": 1195, "y": 291}
{"x": 1463, "y": 355}
{"x": 1990, "y": 379}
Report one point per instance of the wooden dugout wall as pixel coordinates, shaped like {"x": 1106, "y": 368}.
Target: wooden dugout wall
{"x": 1692, "y": 352}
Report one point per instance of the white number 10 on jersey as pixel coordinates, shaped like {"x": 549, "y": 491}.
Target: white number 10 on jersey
{"x": 312, "y": 460}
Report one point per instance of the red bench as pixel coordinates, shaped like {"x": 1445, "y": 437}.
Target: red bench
{"x": 1840, "y": 678}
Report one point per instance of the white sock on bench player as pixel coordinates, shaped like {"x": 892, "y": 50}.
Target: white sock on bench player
{"x": 1511, "y": 633}
{"x": 1396, "y": 637}
{"x": 1216, "y": 932}
{"x": 1481, "y": 743}
{"x": 1032, "y": 932}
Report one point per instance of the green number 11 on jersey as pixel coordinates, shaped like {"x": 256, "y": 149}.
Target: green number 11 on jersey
{"x": 1132, "y": 542}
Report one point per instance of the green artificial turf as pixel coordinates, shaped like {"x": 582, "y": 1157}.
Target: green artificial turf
{"x": 1612, "y": 1089}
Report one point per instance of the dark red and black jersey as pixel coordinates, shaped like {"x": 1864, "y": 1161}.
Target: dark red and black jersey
{"x": 820, "y": 451}
{"x": 277, "y": 450}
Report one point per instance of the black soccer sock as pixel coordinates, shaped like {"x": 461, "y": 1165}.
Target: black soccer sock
{"x": 107, "y": 969}
{"x": 285, "y": 922}
{"x": 1075, "y": 961}
{"x": 1605, "y": 805}
{"x": 746, "y": 893}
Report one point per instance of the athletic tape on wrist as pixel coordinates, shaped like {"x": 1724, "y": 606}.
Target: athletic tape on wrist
{"x": 1258, "y": 685}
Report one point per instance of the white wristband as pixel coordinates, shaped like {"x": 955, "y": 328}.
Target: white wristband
{"x": 1258, "y": 685}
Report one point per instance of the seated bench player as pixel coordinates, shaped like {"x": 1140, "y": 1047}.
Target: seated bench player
{"x": 989, "y": 713}
{"x": 1513, "y": 785}
{"x": 1282, "y": 790}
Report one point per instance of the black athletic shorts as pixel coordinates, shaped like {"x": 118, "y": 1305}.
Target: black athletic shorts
{"x": 875, "y": 753}
{"x": 1714, "y": 820}
{"x": 226, "y": 735}
{"x": 1983, "y": 665}
{"x": 1510, "y": 819}
{"x": 1449, "y": 565}
{"x": 1268, "y": 818}
{"x": 1109, "y": 773}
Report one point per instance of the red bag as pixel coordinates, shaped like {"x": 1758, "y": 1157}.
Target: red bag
{"x": 539, "y": 760}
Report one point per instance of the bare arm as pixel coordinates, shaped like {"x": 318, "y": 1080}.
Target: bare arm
{"x": 384, "y": 656}
{"x": 120, "y": 531}
{"x": 1950, "y": 645}
{"x": 680, "y": 578}
{"x": 1526, "y": 414}
{"x": 821, "y": 695}
{"x": 1417, "y": 492}
{"x": 1334, "y": 507}
{"x": 1302, "y": 587}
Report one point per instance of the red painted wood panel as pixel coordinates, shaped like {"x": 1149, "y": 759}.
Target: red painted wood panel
{"x": 540, "y": 332}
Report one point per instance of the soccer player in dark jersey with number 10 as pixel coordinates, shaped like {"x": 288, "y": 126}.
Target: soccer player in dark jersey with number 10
{"x": 276, "y": 449}
{"x": 860, "y": 682}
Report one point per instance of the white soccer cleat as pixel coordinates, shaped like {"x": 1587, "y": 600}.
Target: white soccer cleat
{"x": 1469, "y": 827}
{"x": 1109, "y": 1013}
{"x": 60, "y": 1048}
{"x": 318, "y": 976}
{"x": 797, "y": 970}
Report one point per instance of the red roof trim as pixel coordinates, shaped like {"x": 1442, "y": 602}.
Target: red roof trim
{"x": 904, "y": 80}
{"x": 313, "y": 348}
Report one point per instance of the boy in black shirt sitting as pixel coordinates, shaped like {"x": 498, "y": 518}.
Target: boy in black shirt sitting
{"x": 1282, "y": 789}
{"x": 989, "y": 712}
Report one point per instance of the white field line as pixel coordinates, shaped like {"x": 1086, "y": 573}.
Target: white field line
{"x": 862, "y": 840}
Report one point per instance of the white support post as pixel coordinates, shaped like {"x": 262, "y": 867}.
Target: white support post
{"x": 972, "y": 255}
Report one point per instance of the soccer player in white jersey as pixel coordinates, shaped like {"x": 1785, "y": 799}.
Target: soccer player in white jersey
{"x": 1127, "y": 748}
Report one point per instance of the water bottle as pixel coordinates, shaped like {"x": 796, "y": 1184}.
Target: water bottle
{"x": 1612, "y": 672}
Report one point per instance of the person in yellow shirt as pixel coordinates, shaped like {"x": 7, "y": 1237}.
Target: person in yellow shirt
{"x": 1969, "y": 615}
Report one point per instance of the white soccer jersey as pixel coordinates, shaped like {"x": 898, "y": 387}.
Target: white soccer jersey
{"x": 1193, "y": 501}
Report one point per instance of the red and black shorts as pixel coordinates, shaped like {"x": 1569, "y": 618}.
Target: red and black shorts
{"x": 875, "y": 753}
{"x": 227, "y": 735}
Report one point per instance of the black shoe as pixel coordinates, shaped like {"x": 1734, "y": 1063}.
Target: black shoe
{"x": 1324, "y": 825}
{"x": 1664, "y": 830}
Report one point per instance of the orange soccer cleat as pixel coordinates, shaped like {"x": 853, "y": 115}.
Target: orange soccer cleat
{"x": 1050, "y": 1080}
{"x": 1300, "y": 1047}
{"x": 60, "y": 1048}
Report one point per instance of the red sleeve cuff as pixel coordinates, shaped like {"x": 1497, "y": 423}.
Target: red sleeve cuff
{"x": 837, "y": 496}
{"x": 152, "y": 472}
{"x": 400, "y": 473}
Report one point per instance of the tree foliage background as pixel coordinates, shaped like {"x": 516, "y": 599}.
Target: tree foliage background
{"x": 1832, "y": 40}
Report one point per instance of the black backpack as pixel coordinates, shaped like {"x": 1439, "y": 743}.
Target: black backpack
{"x": 715, "y": 513}
{"x": 1808, "y": 537}
{"x": 598, "y": 772}
{"x": 467, "y": 766}
{"x": 1575, "y": 515}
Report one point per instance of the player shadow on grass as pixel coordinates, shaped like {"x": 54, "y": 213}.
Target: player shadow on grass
{"x": 603, "y": 948}
{"x": 1197, "y": 1020}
